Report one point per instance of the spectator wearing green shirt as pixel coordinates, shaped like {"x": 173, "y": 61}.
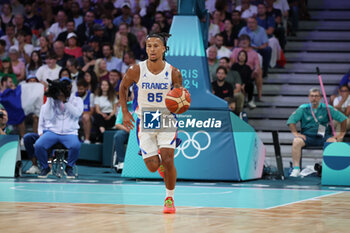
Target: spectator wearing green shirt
{"x": 315, "y": 128}
{"x": 6, "y": 70}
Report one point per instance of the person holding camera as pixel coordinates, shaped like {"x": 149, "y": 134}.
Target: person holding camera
{"x": 3, "y": 120}
{"x": 61, "y": 113}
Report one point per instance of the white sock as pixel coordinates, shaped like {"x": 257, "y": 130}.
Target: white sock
{"x": 170, "y": 193}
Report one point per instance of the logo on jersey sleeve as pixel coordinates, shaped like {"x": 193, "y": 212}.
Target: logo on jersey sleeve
{"x": 151, "y": 119}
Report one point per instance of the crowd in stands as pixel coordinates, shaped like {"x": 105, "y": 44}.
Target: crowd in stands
{"x": 259, "y": 28}
{"x": 94, "y": 42}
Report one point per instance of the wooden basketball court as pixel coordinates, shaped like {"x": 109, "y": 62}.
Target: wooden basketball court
{"x": 201, "y": 207}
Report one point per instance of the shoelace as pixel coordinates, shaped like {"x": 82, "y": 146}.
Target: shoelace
{"x": 168, "y": 203}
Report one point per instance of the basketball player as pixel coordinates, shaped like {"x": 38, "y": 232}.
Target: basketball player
{"x": 153, "y": 79}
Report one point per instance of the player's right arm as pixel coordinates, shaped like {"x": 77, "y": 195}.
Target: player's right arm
{"x": 131, "y": 76}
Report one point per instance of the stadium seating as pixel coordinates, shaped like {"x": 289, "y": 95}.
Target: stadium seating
{"x": 323, "y": 41}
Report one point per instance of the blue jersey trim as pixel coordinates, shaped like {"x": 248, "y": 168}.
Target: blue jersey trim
{"x": 136, "y": 91}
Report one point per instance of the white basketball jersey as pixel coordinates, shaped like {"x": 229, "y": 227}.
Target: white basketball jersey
{"x": 151, "y": 89}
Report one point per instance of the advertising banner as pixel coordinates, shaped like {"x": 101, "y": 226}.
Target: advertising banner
{"x": 9, "y": 155}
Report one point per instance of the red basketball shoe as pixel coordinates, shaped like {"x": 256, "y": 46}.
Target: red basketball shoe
{"x": 169, "y": 207}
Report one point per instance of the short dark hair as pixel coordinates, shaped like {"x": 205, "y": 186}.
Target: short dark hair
{"x": 225, "y": 58}
{"x": 82, "y": 83}
{"x": 221, "y": 68}
{"x": 116, "y": 71}
{"x": 160, "y": 12}
{"x": 73, "y": 61}
{"x": 219, "y": 34}
{"x": 107, "y": 44}
{"x": 10, "y": 24}
{"x": 21, "y": 33}
{"x": 130, "y": 54}
{"x": 51, "y": 55}
{"x": 106, "y": 16}
{"x": 244, "y": 37}
{"x": 346, "y": 86}
{"x": 90, "y": 11}
{"x": 4, "y": 79}
{"x": 70, "y": 19}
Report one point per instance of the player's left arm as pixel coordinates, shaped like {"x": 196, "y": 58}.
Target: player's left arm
{"x": 176, "y": 78}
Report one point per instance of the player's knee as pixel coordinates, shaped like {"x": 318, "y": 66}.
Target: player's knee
{"x": 152, "y": 163}
{"x": 298, "y": 142}
{"x": 86, "y": 117}
{"x": 257, "y": 72}
{"x": 39, "y": 145}
{"x": 152, "y": 168}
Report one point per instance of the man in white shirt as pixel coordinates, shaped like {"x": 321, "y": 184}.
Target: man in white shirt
{"x": 10, "y": 36}
{"x": 59, "y": 26}
{"x": 49, "y": 71}
{"x": 222, "y": 51}
{"x": 247, "y": 10}
{"x": 342, "y": 103}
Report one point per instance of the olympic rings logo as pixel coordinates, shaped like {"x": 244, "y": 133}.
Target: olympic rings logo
{"x": 191, "y": 141}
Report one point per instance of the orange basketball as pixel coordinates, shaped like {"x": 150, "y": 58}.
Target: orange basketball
{"x": 178, "y": 100}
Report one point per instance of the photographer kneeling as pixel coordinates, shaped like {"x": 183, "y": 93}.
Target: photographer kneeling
{"x": 61, "y": 113}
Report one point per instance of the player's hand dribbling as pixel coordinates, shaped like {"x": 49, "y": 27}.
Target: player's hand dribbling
{"x": 128, "y": 120}
{"x": 184, "y": 89}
